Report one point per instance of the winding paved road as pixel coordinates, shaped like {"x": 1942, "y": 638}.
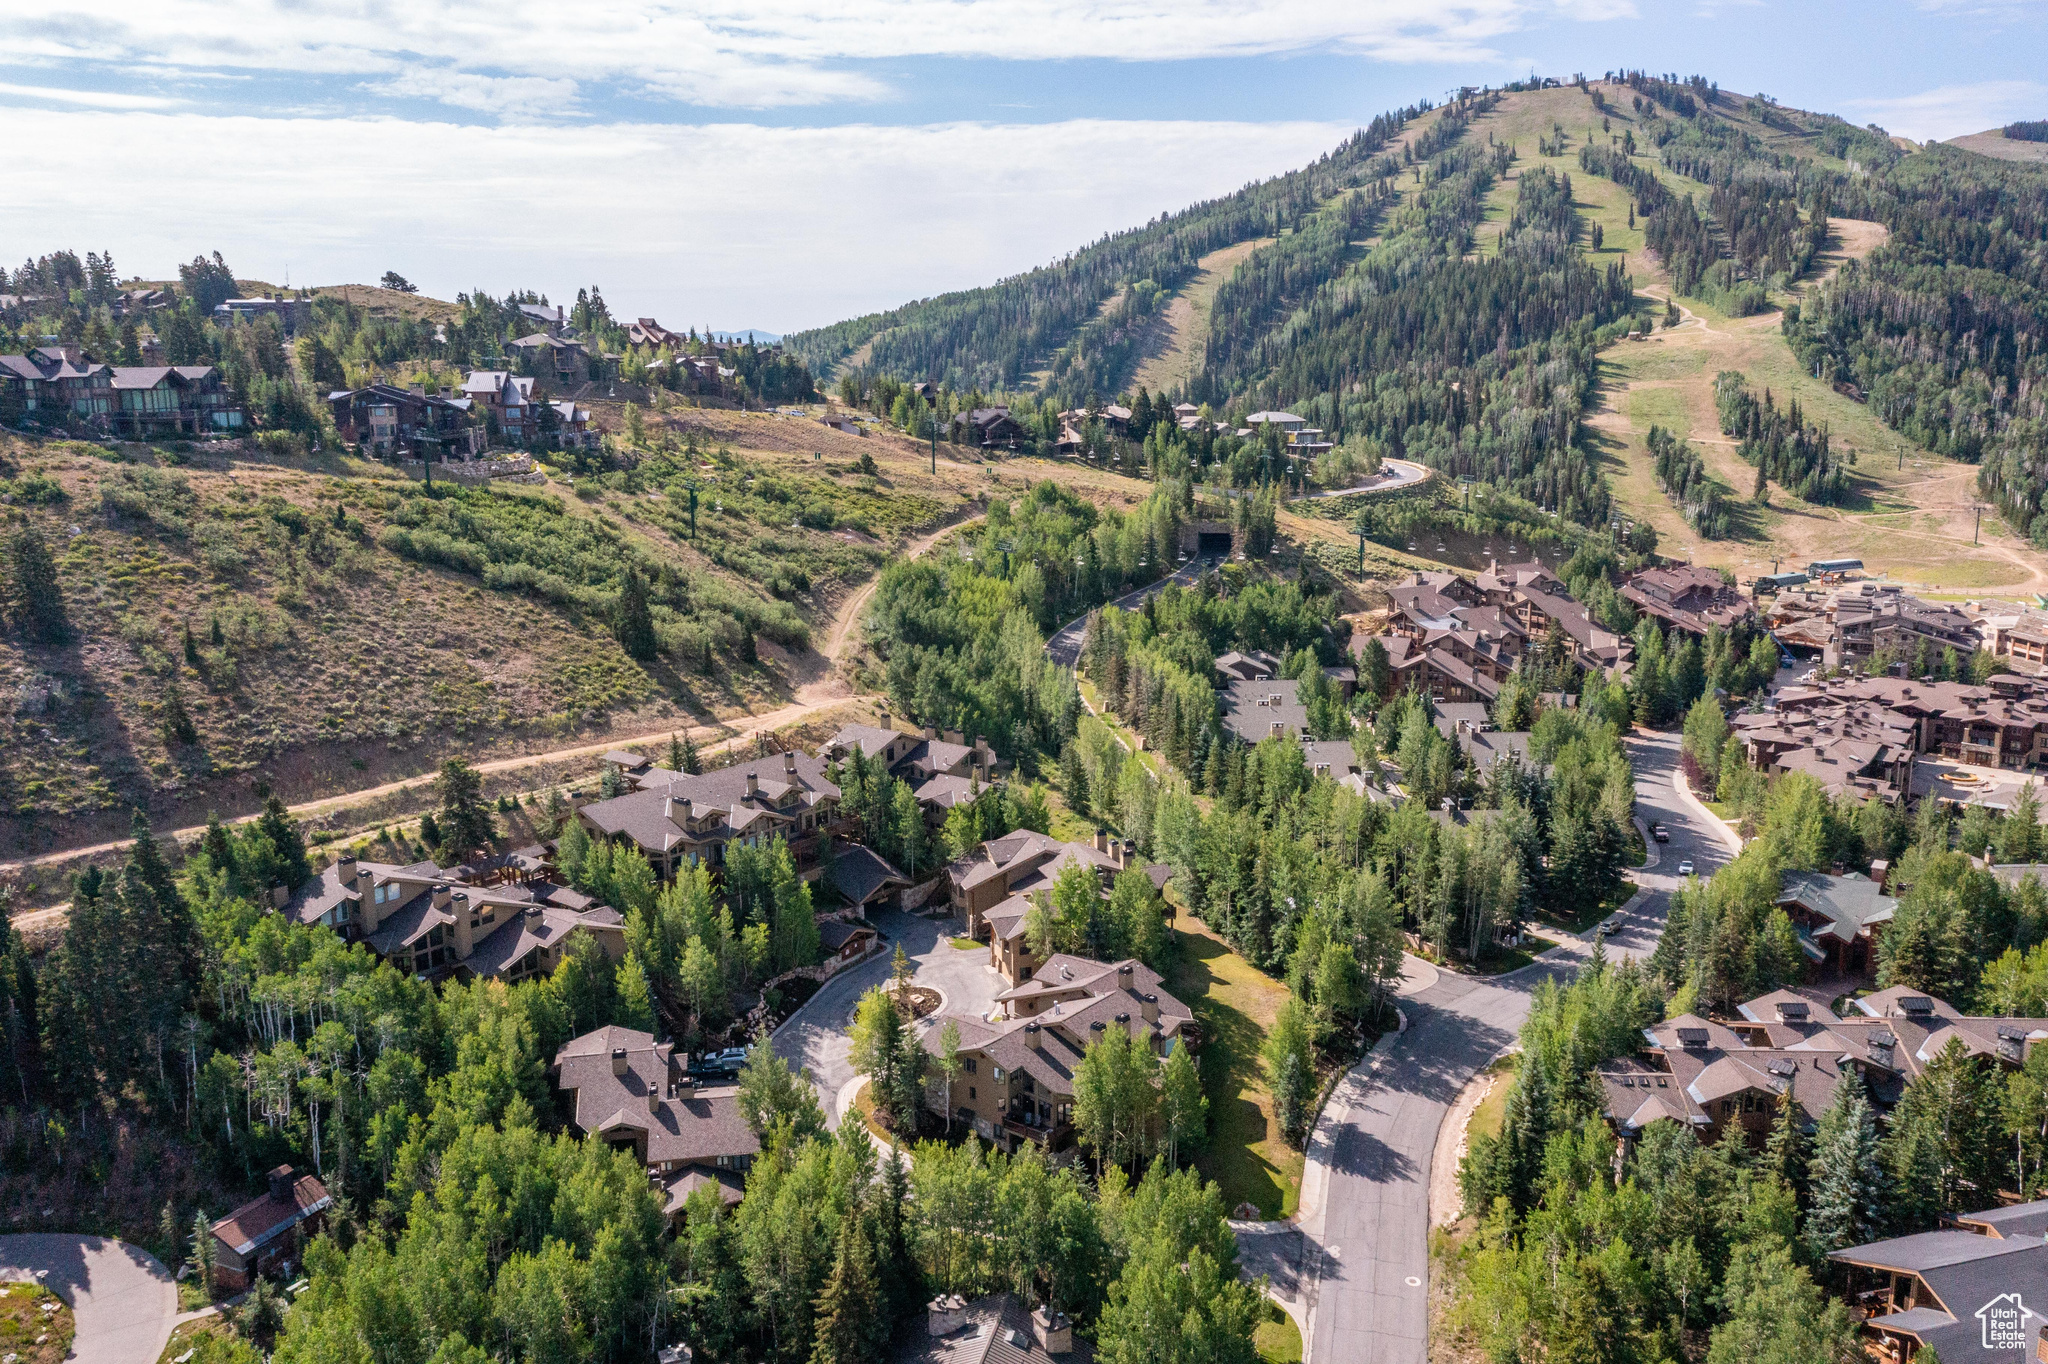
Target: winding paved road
{"x": 1365, "y": 1269}
{"x": 1395, "y": 473}
{"x": 1064, "y": 648}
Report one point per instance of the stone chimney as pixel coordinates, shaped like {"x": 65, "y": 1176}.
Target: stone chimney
{"x": 1149, "y": 1008}
{"x": 618, "y": 1061}
{"x": 953, "y": 736}
{"x": 789, "y": 764}
{"x": 366, "y": 895}
{"x": 684, "y": 811}
{"x": 1034, "y": 1037}
{"x": 1124, "y": 975}
{"x": 753, "y": 785}
{"x": 930, "y": 731}
{"x": 465, "y": 924}
{"x": 1053, "y": 1331}
{"x": 668, "y": 808}
{"x": 1101, "y": 841}
{"x": 442, "y": 896}
{"x": 653, "y": 1098}
{"x": 945, "y": 1315}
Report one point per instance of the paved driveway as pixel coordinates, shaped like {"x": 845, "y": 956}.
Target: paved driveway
{"x": 814, "y": 1039}
{"x": 123, "y": 1299}
{"x": 1366, "y": 1259}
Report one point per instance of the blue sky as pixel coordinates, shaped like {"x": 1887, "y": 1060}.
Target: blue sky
{"x": 783, "y": 164}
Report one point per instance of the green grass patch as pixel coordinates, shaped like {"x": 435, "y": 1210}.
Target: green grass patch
{"x": 967, "y": 944}
{"x": 1235, "y": 1003}
{"x": 1486, "y": 1118}
{"x": 35, "y": 1324}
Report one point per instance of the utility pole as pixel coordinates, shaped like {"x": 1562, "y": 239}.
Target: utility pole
{"x": 935, "y": 443}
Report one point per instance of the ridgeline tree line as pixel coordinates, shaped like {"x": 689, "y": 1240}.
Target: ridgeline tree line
{"x": 992, "y": 338}
{"x": 283, "y": 381}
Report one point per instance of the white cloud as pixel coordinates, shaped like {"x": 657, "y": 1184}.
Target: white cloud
{"x": 1953, "y": 110}
{"x": 731, "y": 225}
{"x": 503, "y": 95}
{"x": 98, "y": 99}
{"x": 759, "y": 53}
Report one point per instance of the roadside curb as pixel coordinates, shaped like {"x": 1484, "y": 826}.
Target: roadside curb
{"x": 1729, "y": 838}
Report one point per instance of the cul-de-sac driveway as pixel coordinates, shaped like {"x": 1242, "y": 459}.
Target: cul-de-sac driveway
{"x": 815, "y": 1037}
{"x": 123, "y": 1299}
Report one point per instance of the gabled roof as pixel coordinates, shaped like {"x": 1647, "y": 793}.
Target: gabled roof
{"x": 1851, "y": 903}
{"x": 264, "y": 1219}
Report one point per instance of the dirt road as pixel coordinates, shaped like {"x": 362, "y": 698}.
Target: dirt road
{"x": 822, "y": 692}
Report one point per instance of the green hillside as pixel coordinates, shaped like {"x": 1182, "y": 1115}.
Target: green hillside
{"x": 1441, "y": 287}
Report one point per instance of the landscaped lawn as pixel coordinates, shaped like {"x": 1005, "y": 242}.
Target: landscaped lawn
{"x": 1486, "y": 1118}
{"x": 1235, "y": 1004}
{"x": 966, "y": 944}
{"x": 1278, "y": 1339}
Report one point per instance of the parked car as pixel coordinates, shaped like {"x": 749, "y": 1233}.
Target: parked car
{"x": 1685, "y": 867}
{"x": 1660, "y": 833}
{"x": 728, "y": 1062}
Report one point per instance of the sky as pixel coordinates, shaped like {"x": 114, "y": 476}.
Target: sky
{"x": 783, "y": 164}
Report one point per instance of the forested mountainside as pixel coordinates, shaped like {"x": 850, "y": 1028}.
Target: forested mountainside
{"x": 1380, "y": 311}
{"x": 994, "y": 337}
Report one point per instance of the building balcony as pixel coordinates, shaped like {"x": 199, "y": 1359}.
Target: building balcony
{"x": 1046, "y": 1134}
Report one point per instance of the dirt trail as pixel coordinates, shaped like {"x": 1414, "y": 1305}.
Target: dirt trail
{"x": 820, "y": 694}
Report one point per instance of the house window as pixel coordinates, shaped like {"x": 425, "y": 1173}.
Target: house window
{"x": 970, "y": 1064}
{"x": 997, "y": 1074}
{"x": 970, "y": 1091}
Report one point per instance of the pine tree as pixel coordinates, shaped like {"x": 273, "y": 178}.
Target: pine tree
{"x": 1785, "y": 1153}
{"x": 675, "y": 754}
{"x": 1846, "y": 1179}
{"x": 693, "y": 763}
{"x": 465, "y": 818}
{"x": 633, "y": 621}
{"x": 276, "y": 824}
{"x": 202, "y": 1251}
{"x": 178, "y": 726}
{"x": 191, "y": 646}
{"x": 430, "y": 831}
{"x": 38, "y": 602}
{"x": 849, "y": 1329}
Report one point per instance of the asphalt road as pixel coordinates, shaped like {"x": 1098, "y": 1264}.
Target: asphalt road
{"x": 1366, "y": 1268}
{"x": 815, "y": 1040}
{"x": 1394, "y": 473}
{"x": 1064, "y": 648}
